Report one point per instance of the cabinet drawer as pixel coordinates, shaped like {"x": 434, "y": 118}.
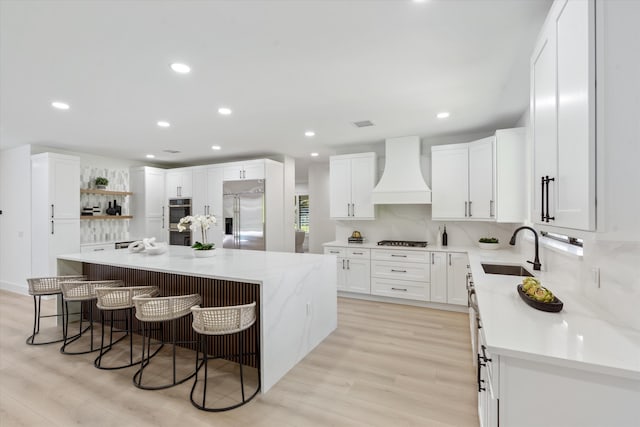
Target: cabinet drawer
{"x": 400, "y": 289}
{"x": 358, "y": 253}
{"x": 339, "y": 252}
{"x": 399, "y": 255}
{"x": 97, "y": 247}
{"x": 401, "y": 270}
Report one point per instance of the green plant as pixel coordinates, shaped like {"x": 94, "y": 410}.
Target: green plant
{"x": 102, "y": 181}
{"x": 203, "y": 246}
{"x": 489, "y": 240}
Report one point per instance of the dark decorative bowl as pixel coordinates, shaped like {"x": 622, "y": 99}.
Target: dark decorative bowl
{"x": 551, "y": 307}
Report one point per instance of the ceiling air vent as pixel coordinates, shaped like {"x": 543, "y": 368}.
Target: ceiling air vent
{"x": 171, "y": 151}
{"x": 363, "y": 123}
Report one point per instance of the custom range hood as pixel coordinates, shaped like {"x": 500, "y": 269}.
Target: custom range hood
{"x": 402, "y": 181}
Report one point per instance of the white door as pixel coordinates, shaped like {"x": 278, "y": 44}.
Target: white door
{"x": 439, "y": 277}
{"x": 358, "y": 276}
{"x": 199, "y": 192}
{"x": 543, "y": 119}
{"x": 450, "y": 182}
{"x": 215, "y": 204}
{"x": 64, "y": 239}
{"x": 155, "y": 199}
{"x": 481, "y": 178}
{"x": 340, "y": 188}
{"x": 362, "y": 182}
{"x": 575, "y": 180}
{"x": 457, "y": 278}
{"x": 341, "y": 267}
{"x": 174, "y": 181}
{"x": 254, "y": 170}
{"x": 233, "y": 172}
{"x": 154, "y": 227}
{"x": 64, "y": 175}
{"x": 186, "y": 183}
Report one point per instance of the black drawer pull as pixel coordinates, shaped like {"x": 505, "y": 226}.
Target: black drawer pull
{"x": 399, "y": 289}
{"x": 358, "y": 253}
{"x": 400, "y": 256}
{"x": 398, "y": 271}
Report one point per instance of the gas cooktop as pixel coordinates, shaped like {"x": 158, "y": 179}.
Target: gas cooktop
{"x": 407, "y": 243}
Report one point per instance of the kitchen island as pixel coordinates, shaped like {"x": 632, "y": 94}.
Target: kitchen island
{"x": 296, "y": 293}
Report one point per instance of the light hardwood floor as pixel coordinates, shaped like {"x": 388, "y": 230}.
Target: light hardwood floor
{"x": 385, "y": 365}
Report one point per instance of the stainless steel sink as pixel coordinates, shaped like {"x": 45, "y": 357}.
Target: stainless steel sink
{"x": 507, "y": 270}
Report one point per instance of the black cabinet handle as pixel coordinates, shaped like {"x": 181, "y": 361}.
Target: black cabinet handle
{"x": 52, "y": 226}
{"x": 399, "y": 289}
{"x": 549, "y": 218}
{"x": 358, "y": 253}
{"x": 398, "y": 271}
{"x": 469, "y": 208}
{"x": 542, "y": 182}
{"x": 480, "y": 381}
{"x": 52, "y": 212}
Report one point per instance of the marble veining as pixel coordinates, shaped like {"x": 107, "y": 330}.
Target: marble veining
{"x": 298, "y": 293}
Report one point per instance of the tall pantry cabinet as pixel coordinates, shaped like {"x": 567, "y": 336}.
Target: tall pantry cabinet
{"x": 55, "y": 210}
{"x": 149, "y": 205}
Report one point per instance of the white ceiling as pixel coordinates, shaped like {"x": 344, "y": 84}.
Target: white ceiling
{"x": 282, "y": 66}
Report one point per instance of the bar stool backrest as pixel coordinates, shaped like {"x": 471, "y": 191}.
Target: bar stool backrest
{"x": 118, "y": 298}
{"x": 49, "y": 285}
{"x": 150, "y": 309}
{"x": 85, "y": 290}
{"x": 223, "y": 320}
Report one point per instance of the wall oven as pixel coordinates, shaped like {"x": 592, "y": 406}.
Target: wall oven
{"x": 179, "y": 208}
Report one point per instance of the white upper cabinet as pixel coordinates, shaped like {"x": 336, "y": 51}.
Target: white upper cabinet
{"x": 179, "y": 183}
{"x": 480, "y": 180}
{"x": 251, "y": 169}
{"x": 351, "y": 181}
{"x": 563, "y": 117}
{"x": 449, "y": 181}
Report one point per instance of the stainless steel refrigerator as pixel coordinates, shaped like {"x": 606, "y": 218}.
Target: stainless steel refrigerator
{"x": 243, "y": 212}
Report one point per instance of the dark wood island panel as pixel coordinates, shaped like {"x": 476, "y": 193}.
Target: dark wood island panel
{"x": 214, "y": 293}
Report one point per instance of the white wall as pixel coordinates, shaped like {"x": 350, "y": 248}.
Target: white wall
{"x": 15, "y": 221}
{"x": 289, "y": 217}
{"x": 321, "y": 228}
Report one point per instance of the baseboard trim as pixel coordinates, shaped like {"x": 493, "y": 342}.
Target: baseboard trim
{"x": 399, "y": 301}
{"x": 13, "y": 287}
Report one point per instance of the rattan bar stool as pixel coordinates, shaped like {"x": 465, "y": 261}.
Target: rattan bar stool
{"x": 39, "y": 287}
{"x": 162, "y": 309}
{"x": 83, "y": 292}
{"x": 224, "y": 321}
{"x": 110, "y": 300}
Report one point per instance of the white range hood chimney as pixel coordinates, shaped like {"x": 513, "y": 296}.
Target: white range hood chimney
{"x": 402, "y": 181}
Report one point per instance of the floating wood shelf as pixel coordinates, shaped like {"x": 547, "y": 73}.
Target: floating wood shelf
{"x": 106, "y": 216}
{"x": 105, "y": 192}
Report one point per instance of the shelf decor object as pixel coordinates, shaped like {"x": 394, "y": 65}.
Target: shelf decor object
{"x": 489, "y": 243}
{"x": 101, "y": 183}
{"x": 551, "y": 307}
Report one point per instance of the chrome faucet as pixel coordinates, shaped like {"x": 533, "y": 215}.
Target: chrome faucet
{"x": 512, "y": 242}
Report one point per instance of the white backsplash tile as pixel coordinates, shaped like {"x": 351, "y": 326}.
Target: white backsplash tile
{"x": 413, "y": 222}
{"x": 96, "y": 231}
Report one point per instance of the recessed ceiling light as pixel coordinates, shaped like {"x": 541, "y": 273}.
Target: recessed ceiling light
{"x": 224, "y": 111}
{"x": 443, "y": 115}
{"x": 150, "y": 156}
{"x": 60, "y": 105}
{"x": 309, "y": 133}
{"x": 180, "y": 68}
{"x": 215, "y": 147}
{"x": 164, "y": 124}
{"x": 314, "y": 154}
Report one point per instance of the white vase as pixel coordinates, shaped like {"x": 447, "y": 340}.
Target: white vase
{"x": 489, "y": 245}
{"x": 204, "y": 253}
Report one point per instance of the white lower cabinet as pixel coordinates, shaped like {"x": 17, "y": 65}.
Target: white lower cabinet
{"x": 448, "y": 277}
{"x": 353, "y": 267}
{"x": 400, "y": 274}
{"x": 416, "y": 275}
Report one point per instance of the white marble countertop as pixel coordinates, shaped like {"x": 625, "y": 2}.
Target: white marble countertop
{"x": 227, "y": 264}
{"x": 576, "y": 337}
